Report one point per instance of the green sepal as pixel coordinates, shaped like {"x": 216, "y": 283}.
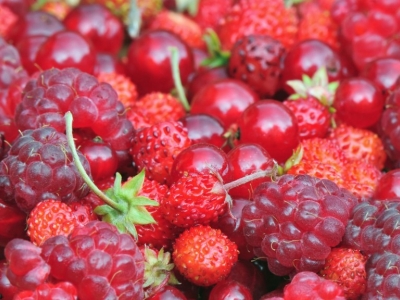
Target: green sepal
{"x": 217, "y": 56}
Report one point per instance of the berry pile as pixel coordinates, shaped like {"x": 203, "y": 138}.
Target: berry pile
{"x": 199, "y": 150}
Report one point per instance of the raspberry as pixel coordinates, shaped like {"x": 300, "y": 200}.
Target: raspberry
{"x": 94, "y": 106}
{"x": 49, "y": 291}
{"x": 295, "y": 222}
{"x": 101, "y": 262}
{"x": 39, "y": 166}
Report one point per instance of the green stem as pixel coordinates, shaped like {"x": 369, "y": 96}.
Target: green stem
{"x": 81, "y": 169}
{"x": 174, "y": 58}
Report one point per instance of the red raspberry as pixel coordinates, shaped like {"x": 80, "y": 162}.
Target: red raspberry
{"x": 49, "y": 291}
{"x": 295, "y": 221}
{"x": 39, "y": 166}
{"x": 101, "y": 262}
{"x": 94, "y": 106}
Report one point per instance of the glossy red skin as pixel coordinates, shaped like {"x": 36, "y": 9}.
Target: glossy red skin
{"x": 168, "y": 292}
{"x": 358, "y": 102}
{"x": 28, "y": 48}
{"x": 306, "y": 57}
{"x": 230, "y": 224}
{"x": 389, "y": 186}
{"x": 102, "y": 159}
{"x": 107, "y": 63}
{"x": 384, "y": 72}
{"x": 12, "y": 223}
{"x": 203, "y": 128}
{"x": 19, "y": 7}
{"x": 204, "y": 77}
{"x": 225, "y": 100}
{"x": 246, "y": 159}
{"x": 199, "y": 55}
{"x": 148, "y": 61}
{"x": 66, "y": 49}
{"x": 273, "y": 126}
{"x": 35, "y": 23}
{"x": 200, "y": 158}
{"x": 98, "y": 25}
{"x": 230, "y": 289}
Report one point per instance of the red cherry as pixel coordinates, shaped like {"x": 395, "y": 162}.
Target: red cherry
{"x": 66, "y": 49}
{"x": 98, "y": 25}
{"x": 225, "y": 100}
{"x": 28, "y": 48}
{"x": 168, "y": 292}
{"x": 246, "y": 159}
{"x": 19, "y": 7}
{"x": 107, "y": 63}
{"x": 203, "y": 128}
{"x": 230, "y": 289}
{"x": 204, "y": 77}
{"x": 306, "y": 57}
{"x": 149, "y": 64}
{"x": 12, "y": 223}
{"x": 358, "y": 102}
{"x": 272, "y": 125}
{"x": 35, "y": 23}
{"x": 201, "y": 158}
{"x": 388, "y": 186}
{"x": 102, "y": 158}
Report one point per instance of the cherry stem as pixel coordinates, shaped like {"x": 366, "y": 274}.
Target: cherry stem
{"x": 68, "y": 122}
{"x": 250, "y": 177}
{"x": 174, "y": 59}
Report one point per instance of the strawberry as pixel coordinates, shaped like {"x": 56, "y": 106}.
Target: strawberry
{"x": 188, "y": 30}
{"x": 346, "y": 267}
{"x": 204, "y": 255}
{"x": 209, "y": 12}
{"x": 50, "y": 218}
{"x": 258, "y": 17}
{"x": 7, "y": 20}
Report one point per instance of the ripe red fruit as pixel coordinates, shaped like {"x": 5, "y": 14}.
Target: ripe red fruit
{"x": 271, "y": 125}
{"x": 203, "y": 77}
{"x": 168, "y": 292}
{"x": 230, "y": 289}
{"x": 388, "y": 186}
{"x": 358, "y": 102}
{"x": 66, "y": 49}
{"x": 48, "y": 291}
{"x": 12, "y": 223}
{"x": 149, "y": 64}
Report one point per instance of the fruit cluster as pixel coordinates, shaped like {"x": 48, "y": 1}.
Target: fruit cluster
{"x": 199, "y": 149}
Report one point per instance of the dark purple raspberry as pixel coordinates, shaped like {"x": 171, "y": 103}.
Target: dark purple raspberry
{"x": 94, "y": 105}
{"x": 295, "y": 221}
{"x": 39, "y": 166}
{"x": 101, "y": 262}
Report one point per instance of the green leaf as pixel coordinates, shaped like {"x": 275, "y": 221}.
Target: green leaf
{"x": 141, "y": 201}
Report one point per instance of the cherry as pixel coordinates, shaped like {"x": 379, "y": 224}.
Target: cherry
{"x": 107, "y": 63}
{"x": 383, "y": 72}
{"x": 13, "y": 97}
{"x": 225, "y": 100}
{"x": 98, "y": 25}
{"x": 149, "y": 64}
{"x": 204, "y": 77}
{"x": 203, "y": 128}
{"x": 199, "y": 55}
{"x": 306, "y": 57}
{"x": 35, "y": 23}
{"x": 246, "y": 159}
{"x": 168, "y": 292}
{"x": 272, "y": 125}
{"x": 230, "y": 289}
{"x": 102, "y": 158}
{"x": 66, "y": 49}
{"x": 358, "y": 102}
{"x": 19, "y": 7}
{"x": 230, "y": 224}
{"x": 200, "y": 158}
{"x": 28, "y": 48}
{"x": 388, "y": 186}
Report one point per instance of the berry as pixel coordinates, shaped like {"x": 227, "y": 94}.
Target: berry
{"x": 12, "y": 223}
{"x": 39, "y": 166}
{"x": 49, "y": 291}
{"x": 204, "y": 255}
{"x": 8, "y": 20}
{"x": 295, "y": 221}
{"x": 226, "y": 289}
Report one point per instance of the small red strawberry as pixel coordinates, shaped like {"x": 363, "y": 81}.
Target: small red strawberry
{"x": 347, "y": 268}
{"x": 204, "y": 255}
{"x": 209, "y": 12}
{"x": 323, "y": 150}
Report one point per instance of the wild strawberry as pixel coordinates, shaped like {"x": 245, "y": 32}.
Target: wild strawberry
{"x": 204, "y": 255}
{"x": 209, "y": 12}
{"x": 323, "y": 150}
{"x": 8, "y": 19}
{"x": 188, "y": 30}
{"x": 314, "y": 218}
{"x": 50, "y": 218}
{"x": 61, "y": 290}
{"x": 154, "y": 148}
{"x": 258, "y": 17}
{"x": 359, "y": 144}
{"x": 195, "y": 198}
{"x": 138, "y": 118}
{"x": 124, "y": 87}
{"x": 110, "y": 263}
{"x": 257, "y": 60}
{"x": 346, "y": 267}
{"x": 159, "y": 107}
